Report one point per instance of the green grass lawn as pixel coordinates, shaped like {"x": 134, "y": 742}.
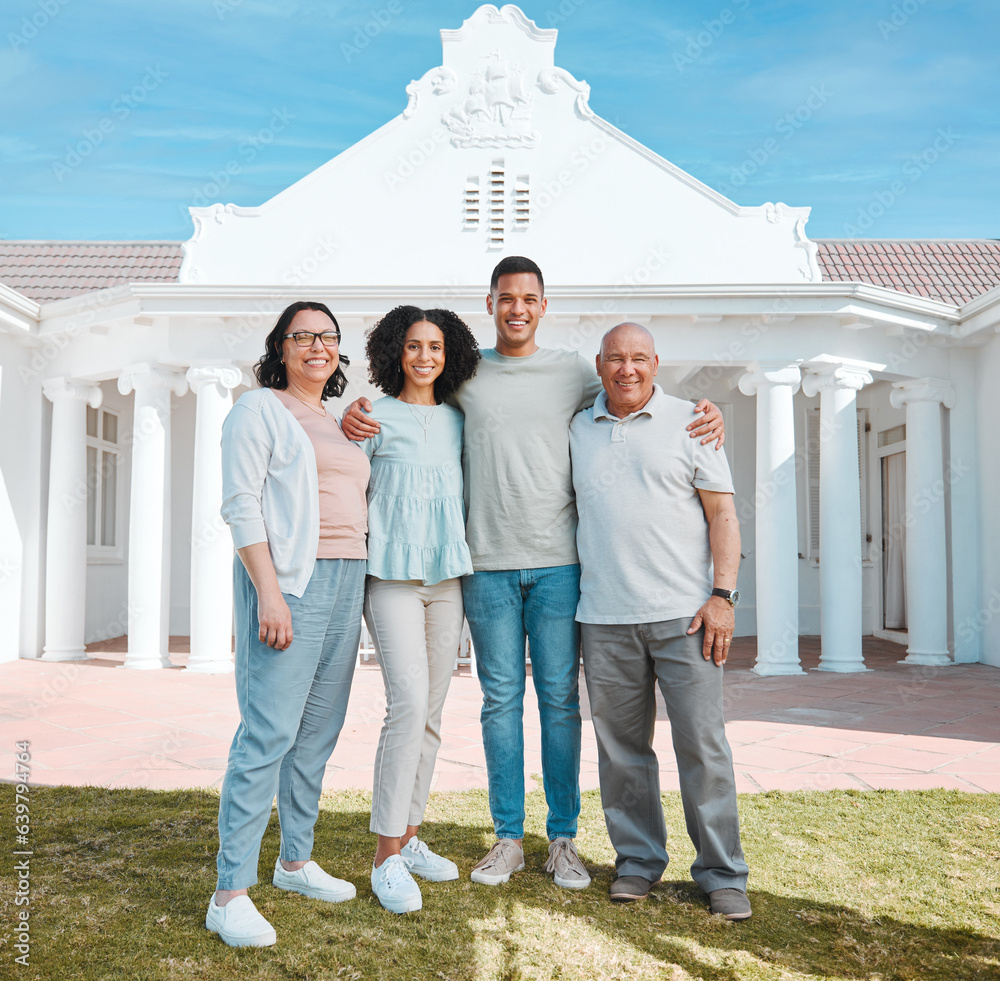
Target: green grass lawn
{"x": 845, "y": 885}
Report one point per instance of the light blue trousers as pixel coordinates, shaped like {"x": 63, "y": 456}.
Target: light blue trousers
{"x": 292, "y": 706}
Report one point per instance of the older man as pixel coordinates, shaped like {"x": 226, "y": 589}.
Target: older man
{"x": 659, "y": 548}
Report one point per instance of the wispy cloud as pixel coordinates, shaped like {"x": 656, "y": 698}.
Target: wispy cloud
{"x": 230, "y": 64}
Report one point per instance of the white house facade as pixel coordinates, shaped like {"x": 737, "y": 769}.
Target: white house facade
{"x": 858, "y": 392}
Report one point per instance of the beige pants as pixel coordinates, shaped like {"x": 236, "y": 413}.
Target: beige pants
{"x": 416, "y": 631}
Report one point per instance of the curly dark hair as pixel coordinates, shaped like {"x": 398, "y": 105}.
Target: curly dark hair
{"x": 385, "y": 349}
{"x": 270, "y": 370}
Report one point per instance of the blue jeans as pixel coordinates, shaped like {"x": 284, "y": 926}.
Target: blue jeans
{"x": 292, "y": 707}
{"x": 504, "y": 608}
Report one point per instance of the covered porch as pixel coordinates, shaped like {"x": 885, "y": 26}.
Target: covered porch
{"x": 896, "y": 726}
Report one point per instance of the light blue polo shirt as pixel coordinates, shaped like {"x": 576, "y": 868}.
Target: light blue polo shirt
{"x": 642, "y": 534}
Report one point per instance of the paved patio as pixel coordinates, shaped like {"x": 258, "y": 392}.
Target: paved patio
{"x": 897, "y": 726}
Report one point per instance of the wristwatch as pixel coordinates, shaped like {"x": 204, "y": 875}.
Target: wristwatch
{"x": 732, "y": 595}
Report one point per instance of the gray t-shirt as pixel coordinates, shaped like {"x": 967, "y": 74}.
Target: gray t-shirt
{"x": 643, "y": 537}
{"x": 518, "y": 489}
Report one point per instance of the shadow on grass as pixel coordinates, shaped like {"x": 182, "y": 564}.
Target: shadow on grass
{"x": 121, "y": 880}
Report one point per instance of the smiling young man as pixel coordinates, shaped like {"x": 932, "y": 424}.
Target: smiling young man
{"x": 521, "y": 531}
{"x": 659, "y": 548}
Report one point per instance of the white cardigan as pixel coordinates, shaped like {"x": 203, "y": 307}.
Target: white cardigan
{"x": 270, "y": 487}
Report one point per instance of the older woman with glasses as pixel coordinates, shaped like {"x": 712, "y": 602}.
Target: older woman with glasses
{"x": 294, "y": 498}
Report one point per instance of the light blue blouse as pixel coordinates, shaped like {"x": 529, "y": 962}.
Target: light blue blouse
{"x": 416, "y": 510}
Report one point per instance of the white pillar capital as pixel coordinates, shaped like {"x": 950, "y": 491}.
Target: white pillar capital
{"x": 922, "y": 390}
{"x": 151, "y": 376}
{"x": 226, "y": 376}
{"x": 58, "y": 389}
{"x": 831, "y": 375}
{"x": 761, "y": 374}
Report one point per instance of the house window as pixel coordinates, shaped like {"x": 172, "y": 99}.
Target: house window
{"x": 103, "y": 466}
{"x": 813, "y": 443}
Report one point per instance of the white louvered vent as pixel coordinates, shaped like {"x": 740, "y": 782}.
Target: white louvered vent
{"x": 471, "y": 209}
{"x": 522, "y": 202}
{"x": 497, "y": 195}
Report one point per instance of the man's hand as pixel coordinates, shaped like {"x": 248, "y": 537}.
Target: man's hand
{"x": 710, "y": 426}
{"x": 275, "y": 621}
{"x": 357, "y": 425}
{"x": 719, "y": 620}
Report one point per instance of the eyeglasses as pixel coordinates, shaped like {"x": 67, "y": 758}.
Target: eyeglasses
{"x": 306, "y": 338}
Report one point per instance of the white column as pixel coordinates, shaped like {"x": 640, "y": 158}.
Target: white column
{"x": 926, "y": 555}
{"x": 839, "y": 513}
{"x": 211, "y": 543}
{"x": 66, "y": 534}
{"x": 775, "y": 519}
{"x": 149, "y": 513}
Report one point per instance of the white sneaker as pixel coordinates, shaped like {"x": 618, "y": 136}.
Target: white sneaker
{"x": 566, "y": 864}
{"x": 239, "y": 924}
{"x": 394, "y": 887}
{"x": 313, "y": 882}
{"x": 503, "y": 859}
{"x": 420, "y": 860}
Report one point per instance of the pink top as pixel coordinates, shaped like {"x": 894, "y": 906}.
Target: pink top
{"x": 343, "y": 470}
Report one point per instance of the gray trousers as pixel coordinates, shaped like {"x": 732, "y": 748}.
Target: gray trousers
{"x": 621, "y": 662}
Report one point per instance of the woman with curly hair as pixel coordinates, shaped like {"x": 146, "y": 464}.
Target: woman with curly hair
{"x": 294, "y": 499}
{"x": 416, "y": 556}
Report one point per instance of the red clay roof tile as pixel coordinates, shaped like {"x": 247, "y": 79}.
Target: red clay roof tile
{"x": 45, "y": 271}
{"x": 950, "y": 270}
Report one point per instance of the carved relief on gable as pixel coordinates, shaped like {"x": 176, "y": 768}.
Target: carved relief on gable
{"x": 493, "y": 108}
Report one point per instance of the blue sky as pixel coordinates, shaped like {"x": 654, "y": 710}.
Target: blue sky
{"x": 116, "y": 115}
